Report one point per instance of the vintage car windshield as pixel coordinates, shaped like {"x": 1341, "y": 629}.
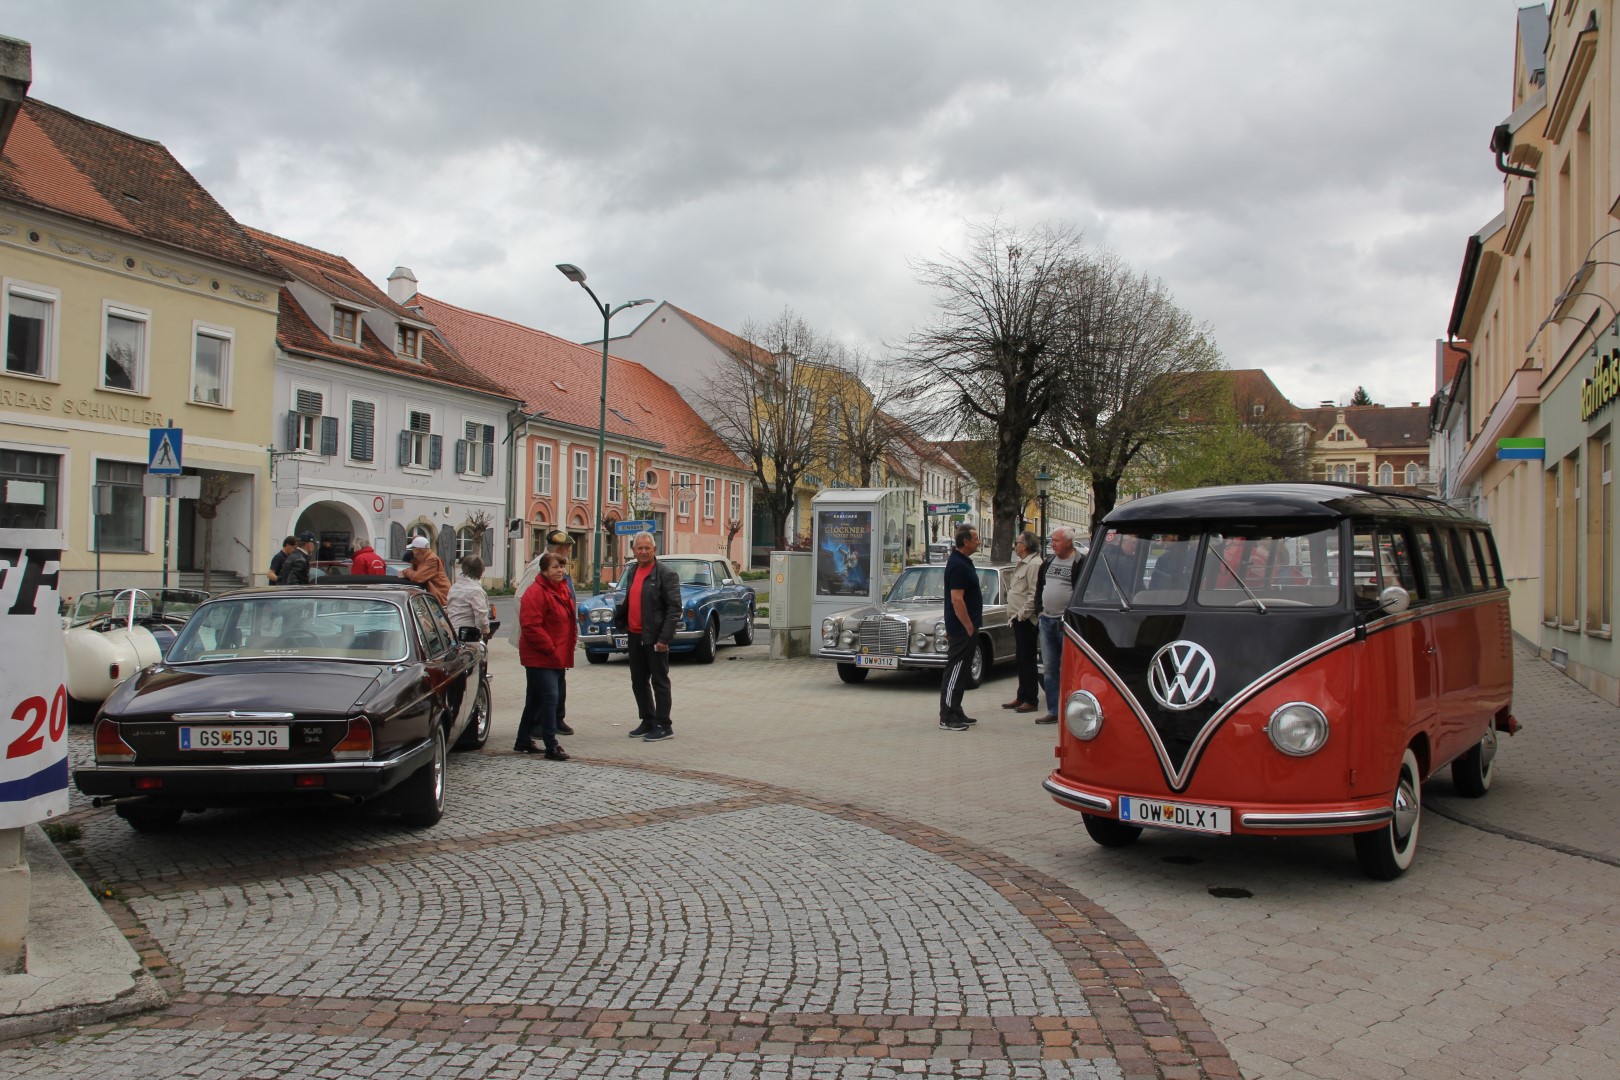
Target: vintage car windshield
{"x": 918, "y": 583}
{"x": 148, "y": 603}
{"x": 691, "y": 572}
{"x": 1288, "y": 564}
{"x": 277, "y": 626}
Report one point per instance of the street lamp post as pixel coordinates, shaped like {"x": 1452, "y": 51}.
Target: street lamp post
{"x": 576, "y": 275}
{"x": 1043, "y": 491}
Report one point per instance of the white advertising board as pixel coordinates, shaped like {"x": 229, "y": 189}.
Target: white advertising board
{"x": 33, "y": 694}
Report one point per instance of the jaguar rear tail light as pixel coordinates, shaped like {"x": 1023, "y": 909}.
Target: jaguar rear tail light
{"x": 110, "y": 745}
{"x": 356, "y": 743}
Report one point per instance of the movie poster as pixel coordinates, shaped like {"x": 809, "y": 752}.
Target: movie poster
{"x": 844, "y": 552}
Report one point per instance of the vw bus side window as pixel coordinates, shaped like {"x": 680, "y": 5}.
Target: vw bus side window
{"x": 1394, "y": 566}
{"x": 1433, "y": 570}
{"x": 1292, "y": 564}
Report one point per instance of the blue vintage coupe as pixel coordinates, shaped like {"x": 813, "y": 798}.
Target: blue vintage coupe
{"x": 714, "y": 605}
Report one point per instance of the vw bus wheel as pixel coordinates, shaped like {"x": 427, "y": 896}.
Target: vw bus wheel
{"x": 1109, "y": 832}
{"x": 851, "y": 674}
{"x": 1386, "y": 853}
{"x": 1471, "y": 774}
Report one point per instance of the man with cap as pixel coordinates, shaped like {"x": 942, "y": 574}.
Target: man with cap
{"x": 427, "y": 569}
{"x": 287, "y": 547}
{"x": 563, "y": 544}
{"x": 295, "y": 567}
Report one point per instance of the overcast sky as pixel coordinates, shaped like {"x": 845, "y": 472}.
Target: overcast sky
{"x": 1303, "y": 176}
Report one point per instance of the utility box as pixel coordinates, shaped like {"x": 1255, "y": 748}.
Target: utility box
{"x": 860, "y": 549}
{"x": 790, "y": 604}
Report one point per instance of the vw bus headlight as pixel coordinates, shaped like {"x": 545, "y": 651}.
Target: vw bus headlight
{"x": 1298, "y": 729}
{"x": 1082, "y": 716}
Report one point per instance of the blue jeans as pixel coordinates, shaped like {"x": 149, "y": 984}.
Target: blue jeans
{"x": 540, "y": 706}
{"x": 1051, "y": 660}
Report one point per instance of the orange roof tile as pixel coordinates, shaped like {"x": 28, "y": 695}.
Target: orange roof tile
{"x": 565, "y": 380}
{"x": 68, "y": 165}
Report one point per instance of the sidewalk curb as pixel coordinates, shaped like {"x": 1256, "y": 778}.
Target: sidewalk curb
{"x": 145, "y": 996}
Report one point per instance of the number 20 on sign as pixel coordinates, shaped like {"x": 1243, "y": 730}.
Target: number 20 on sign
{"x": 33, "y": 695}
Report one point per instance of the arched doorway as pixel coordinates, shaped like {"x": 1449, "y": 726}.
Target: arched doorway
{"x": 338, "y": 529}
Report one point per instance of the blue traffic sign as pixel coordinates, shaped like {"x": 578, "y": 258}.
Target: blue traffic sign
{"x": 948, "y": 508}
{"x": 163, "y": 452}
{"x": 630, "y": 528}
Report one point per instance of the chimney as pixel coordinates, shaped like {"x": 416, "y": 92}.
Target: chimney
{"x": 16, "y": 75}
{"x": 401, "y": 284}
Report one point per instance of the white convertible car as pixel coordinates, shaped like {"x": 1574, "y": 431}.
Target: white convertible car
{"x": 110, "y": 634}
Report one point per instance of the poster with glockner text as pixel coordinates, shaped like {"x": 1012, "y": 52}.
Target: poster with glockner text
{"x": 33, "y": 691}
{"x": 843, "y": 552}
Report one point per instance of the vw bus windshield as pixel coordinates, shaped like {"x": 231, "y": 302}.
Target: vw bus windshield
{"x": 1262, "y": 567}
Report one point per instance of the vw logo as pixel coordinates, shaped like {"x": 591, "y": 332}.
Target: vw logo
{"x": 1181, "y": 675}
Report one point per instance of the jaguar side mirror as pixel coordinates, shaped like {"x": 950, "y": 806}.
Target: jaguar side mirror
{"x": 468, "y": 633}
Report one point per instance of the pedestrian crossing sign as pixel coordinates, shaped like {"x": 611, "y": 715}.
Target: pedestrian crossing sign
{"x": 163, "y": 454}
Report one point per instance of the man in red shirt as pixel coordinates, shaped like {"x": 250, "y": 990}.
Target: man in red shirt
{"x": 650, "y": 612}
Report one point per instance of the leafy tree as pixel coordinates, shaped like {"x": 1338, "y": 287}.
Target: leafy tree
{"x": 989, "y": 354}
{"x": 1220, "y": 450}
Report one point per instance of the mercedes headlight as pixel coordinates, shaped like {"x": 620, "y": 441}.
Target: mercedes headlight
{"x": 1298, "y": 729}
{"x": 1082, "y": 716}
{"x": 829, "y": 631}
{"x": 847, "y": 639}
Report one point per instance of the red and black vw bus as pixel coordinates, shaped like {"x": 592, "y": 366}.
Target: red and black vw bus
{"x": 1282, "y": 660}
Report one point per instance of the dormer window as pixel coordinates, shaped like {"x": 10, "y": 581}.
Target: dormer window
{"x": 1259, "y": 408}
{"x": 345, "y": 324}
{"x": 408, "y": 341}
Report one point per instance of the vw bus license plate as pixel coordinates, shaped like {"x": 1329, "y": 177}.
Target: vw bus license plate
{"x": 1163, "y": 814}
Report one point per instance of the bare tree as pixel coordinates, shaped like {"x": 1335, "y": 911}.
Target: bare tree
{"x": 862, "y": 419}
{"x": 216, "y": 488}
{"x": 990, "y": 355}
{"x": 1128, "y": 354}
{"x": 763, "y": 404}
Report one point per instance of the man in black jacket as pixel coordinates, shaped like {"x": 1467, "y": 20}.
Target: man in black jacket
{"x": 295, "y": 567}
{"x": 649, "y": 614}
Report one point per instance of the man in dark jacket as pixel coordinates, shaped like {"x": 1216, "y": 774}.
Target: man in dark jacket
{"x": 649, "y": 614}
{"x": 295, "y": 567}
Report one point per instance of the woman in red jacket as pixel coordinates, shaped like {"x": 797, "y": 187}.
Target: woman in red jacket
{"x": 547, "y": 633}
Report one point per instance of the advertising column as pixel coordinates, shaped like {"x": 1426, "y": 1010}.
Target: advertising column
{"x": 33, "y": 716}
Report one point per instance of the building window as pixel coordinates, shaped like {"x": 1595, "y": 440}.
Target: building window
{"x": 1259, "y": 408}
{"x": 542, "y": 468}
{"x": 1411, "y": 474}
{"x": 419, "y": 448}
{"x": 736, "y": 502}
{"x": 708, "y": 497}
{"x": 28, "y": 489}
{"x": 124, "y": 350}
{"x": 1386, "y": 474}
{"x": 466, "y": 542}
{"x": 1341, "y": 474}
{"x": 615, "y": 478}
{"x": 408, "y": 341}
{"x": 345, "y": 324}
{"x": 1599, "y": 532}
{"x": 125, "y": 528}
{"x": 308, "y": 430}
{"x": 30, "y": 328}
{"x": 362, "y": 431}
{"x": 1568, "y": 508}
{"x": 211, "y": 364}
{"x": 475, "y": 454}
{"x": 1606, "y": 564}
{"x": 582, "y": 475}
{"x": 683, "y": 484}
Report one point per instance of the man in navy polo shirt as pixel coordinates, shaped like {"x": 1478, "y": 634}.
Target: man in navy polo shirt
{"x": 964, "y": 614}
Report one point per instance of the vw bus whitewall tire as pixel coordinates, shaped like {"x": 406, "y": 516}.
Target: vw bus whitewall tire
{"x": 1386, "y": 853}
{"x": 1471, "y": 774}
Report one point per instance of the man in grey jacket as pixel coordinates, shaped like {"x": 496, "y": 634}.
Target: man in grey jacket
{"x": 1021, "y": 609}
{"x": 650, "y": 614}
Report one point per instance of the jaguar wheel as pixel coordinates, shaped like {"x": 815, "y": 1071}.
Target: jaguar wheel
{"x": 150, "y": 819}
{"x": 710, "y": 643}
{"x": 595, "y": 657}
{"x": 1386, "y": 853}
{"x": 745, "y": 636}
{"x": 1109, "y": 832}
{"x": 477, "y": 730}
{"x": 422, "y": 793}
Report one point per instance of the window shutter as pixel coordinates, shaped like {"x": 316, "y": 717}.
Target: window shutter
{"x": 447, "y": 544}
{"x": 362, "y": 430}
{"x": 489, "y": 449}
{"x": 489, "y": 548}
{"x": 292, "y": 431}
{"x": 329, "y": 434}
{"x": 405, "y": 448}
{"x": 310, "y": 402}
{"x": 435, "y": 452}
{"x": 461, "y": 455}
{"x": 396, "y": 540}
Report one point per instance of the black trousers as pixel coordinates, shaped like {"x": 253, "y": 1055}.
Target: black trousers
{"x": 1025, "y": 636}
{"x": 954, "y": 684}
{"x": 562, "y": 696}
{"x": 649, "y": 681}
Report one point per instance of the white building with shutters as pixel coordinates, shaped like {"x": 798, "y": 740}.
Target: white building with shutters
{"x": 383, "y": 432}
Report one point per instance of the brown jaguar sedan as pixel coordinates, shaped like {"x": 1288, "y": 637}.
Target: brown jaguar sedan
{"x": 324, "y": 693}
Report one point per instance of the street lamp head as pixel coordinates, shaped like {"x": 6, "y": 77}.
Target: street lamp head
{"x": 572, "y": 272}
{"x": 1043, "y": 482}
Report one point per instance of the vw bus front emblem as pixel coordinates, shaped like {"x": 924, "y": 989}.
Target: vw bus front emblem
{"x": 1181, "y": 675}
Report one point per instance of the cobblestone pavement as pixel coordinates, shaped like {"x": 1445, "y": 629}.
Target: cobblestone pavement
{"x": 813, "y": 880}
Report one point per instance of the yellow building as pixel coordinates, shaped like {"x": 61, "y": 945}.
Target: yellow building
{"x": 1536, "y": 300}
{"x": 130, "y": 301}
